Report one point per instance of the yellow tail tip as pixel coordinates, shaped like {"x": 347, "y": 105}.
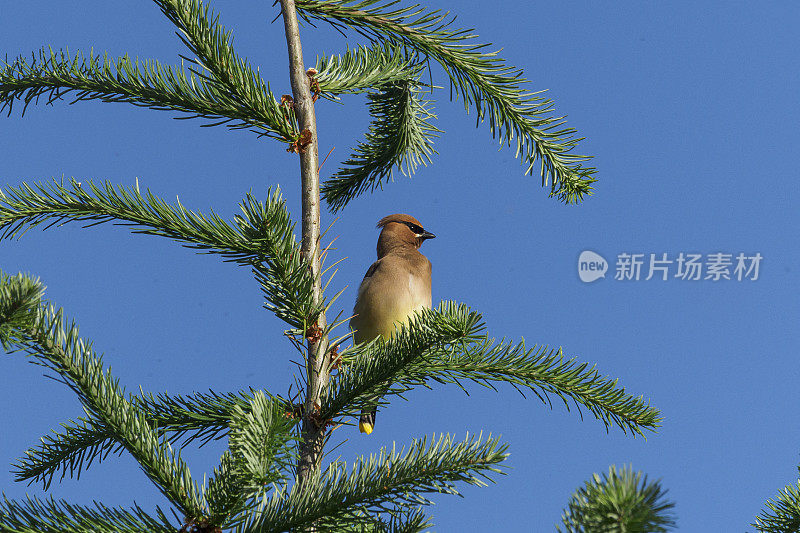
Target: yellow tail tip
{"x": 365, "y": 427}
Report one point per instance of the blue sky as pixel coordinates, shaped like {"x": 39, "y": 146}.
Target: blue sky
{"x": 691, "y": 112}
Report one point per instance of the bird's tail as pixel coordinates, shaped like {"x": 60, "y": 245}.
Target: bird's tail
{"x": 366, "y": 423}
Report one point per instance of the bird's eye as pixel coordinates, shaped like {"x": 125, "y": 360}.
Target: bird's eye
{"x": 416, "y": 229}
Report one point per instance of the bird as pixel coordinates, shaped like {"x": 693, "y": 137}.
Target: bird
{"x": 396, "y": 286}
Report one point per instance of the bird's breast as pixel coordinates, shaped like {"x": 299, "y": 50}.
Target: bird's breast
{"x": 413, "y": 295}
{"x": 419, "y": 292}
{"x": 393, "y": 290}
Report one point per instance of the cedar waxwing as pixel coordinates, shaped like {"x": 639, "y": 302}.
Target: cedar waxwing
{"x": 394, "y": 287}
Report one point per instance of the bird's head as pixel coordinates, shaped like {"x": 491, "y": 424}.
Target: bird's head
{"x": 401, "y": 230}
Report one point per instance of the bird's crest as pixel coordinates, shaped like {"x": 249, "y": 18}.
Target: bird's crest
{"x": 399, "y": 217}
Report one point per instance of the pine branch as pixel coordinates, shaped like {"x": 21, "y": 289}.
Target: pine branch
{"x": 446, "y": 346}
{"x": 482, "y": 79}
{"x": 364, "y": 68}
{"x": 397, "y": 478}
{"x": 545, "y": 372}
{"x": 212, "y": 45}
{"x": 261, "y": 238}
{"x": 179, "y": 419}
{"x": 22, "y": 296}
{"x": 198, "y": 416}
{"x": 261, "y": 441}
{"x": 54, "y": 75}
{"x": 400, "y": 135}
{"x": 52, "y": 516}
{"x": 28, "y": 206}
{"x": 205, "y": 37}
{"x": 405, "y": 521}
{"x": 782, "y": 513}
{"x": 370, "y": 372}
{"x": 45, "y": 337}
{"x": 413, "y": 521}
{"x": 261, "y": 452}
{"x": 70, "y": 451}
{"x": 619, "y": 502}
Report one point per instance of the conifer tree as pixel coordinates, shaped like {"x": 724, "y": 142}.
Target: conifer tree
{"x": 781, "y": 514}
{"x": 272, "y": 476}
{"x": 619, "y": 502}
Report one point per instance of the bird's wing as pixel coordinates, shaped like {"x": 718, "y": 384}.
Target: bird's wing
{"x": 358, "y": 322}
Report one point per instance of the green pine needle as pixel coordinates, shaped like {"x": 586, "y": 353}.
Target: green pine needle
{"x": 54, "y": 75}
{"x": 400, "y": 136}
{"x": 261, "y": 455}
{"x": 495, "y": 90}
{"x": 782, "y": 513}
{"x": 55, "y": 343}
{"x": 384, "y": 482}
{"x": 202, "y": 417}
{"x": 363, "y": 68}
{"x": 619, "y": 502}
{"x": 447, "y": 346}
{"x": 261, "y": 238}
{"x": 57, "y": 516}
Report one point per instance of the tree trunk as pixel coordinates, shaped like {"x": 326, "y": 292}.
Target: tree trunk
{"x": 313, "y": 433}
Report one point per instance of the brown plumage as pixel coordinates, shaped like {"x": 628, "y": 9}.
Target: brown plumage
{"x": 395, "y": 286}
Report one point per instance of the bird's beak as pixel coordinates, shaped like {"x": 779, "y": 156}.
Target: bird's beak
{"x": 426, "y": 235}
